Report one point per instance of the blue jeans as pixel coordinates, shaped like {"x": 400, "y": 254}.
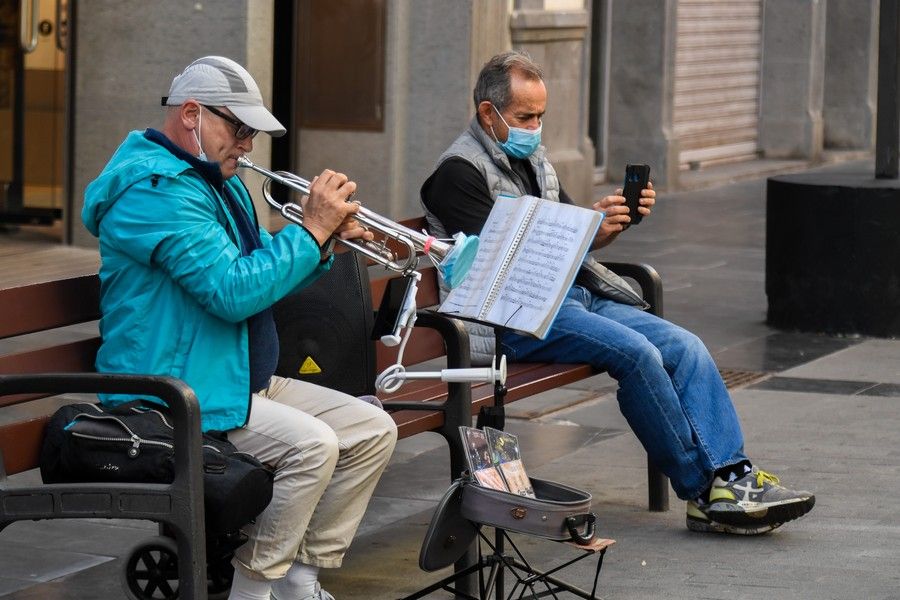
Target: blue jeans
{"x": 670, "y": 390}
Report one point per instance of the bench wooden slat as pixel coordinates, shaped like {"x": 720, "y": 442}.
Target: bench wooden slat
{"x": 49, "y": 305}
{"x": 418, "y": 391}
{"x": 523, "y": 380}
{"x": 541, "y": 378}
{"x": 424, "y": 344}
{"x": 21, "y": 444}
{"x": 411, "y": 422}
{"x": 72, "y": 357}
{"x": 427, "y": 295}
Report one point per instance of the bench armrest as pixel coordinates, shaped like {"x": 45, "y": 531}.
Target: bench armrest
{"x": 179, "y": 504}
{"x": 647, "y": 278}
{"x": 176, "y": 394}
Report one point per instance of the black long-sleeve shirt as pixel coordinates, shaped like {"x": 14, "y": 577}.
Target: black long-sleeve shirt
{"x": 457, "y": 194}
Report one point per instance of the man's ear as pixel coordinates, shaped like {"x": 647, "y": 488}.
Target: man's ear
{"x": 190, "y": 114}
{"x": 486, "y": 114}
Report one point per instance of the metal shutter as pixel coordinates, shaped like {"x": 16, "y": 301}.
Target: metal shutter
{"x": 716, "y": 110}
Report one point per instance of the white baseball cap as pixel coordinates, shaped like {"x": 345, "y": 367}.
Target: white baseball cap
{"x": 219, "y": 81}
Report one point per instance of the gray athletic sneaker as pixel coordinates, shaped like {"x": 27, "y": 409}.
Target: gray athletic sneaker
{"x": 698, "y": 521}
{"x": 754, "y": 501}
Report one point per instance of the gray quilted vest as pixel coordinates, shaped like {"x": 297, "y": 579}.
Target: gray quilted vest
{"x": 478, "y": 148}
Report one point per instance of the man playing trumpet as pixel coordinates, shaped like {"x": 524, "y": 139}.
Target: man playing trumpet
{"x": 188, "y": 281}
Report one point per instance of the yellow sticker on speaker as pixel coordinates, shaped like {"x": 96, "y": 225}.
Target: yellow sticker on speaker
{"x": 309, "y": 367}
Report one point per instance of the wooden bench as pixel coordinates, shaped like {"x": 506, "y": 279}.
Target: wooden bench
{"x": 28, "y": 393}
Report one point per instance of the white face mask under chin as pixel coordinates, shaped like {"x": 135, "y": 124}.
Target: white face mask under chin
{"x": 202, "y": 154}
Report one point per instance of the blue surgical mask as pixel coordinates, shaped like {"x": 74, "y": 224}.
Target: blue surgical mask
{"x": 520, "y": 142}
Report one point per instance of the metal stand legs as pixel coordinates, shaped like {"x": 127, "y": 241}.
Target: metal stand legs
{"x": 496, "y": 568}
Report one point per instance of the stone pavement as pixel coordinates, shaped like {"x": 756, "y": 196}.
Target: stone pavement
{"x": 819, "y": 411}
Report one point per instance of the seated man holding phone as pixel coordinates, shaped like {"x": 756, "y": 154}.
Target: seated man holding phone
{"x": 670, "y": 390}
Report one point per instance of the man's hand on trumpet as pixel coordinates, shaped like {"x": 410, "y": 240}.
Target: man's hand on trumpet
{"x": 327, "y": 212}
{"x": 351, "y": 228}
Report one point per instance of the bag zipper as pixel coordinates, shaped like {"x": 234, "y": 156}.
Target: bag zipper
{"x": 145, "y": 410}
{"x": 140, "y": 410}
{"x": 135, "y": 439}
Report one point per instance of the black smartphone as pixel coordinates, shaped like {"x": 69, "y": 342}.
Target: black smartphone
{"x": 389, "y": 312}
{"x": 636, "y": 179}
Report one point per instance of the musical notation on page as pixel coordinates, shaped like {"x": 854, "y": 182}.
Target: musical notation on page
{"x": 529, "y": 254}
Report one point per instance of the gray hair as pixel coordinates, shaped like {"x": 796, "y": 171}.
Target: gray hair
{"x": 493, "y": 82}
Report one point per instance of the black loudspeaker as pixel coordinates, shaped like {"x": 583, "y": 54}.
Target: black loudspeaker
{"x": 324, "y": 330}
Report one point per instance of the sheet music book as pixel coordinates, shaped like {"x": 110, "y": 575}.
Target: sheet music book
{"x": 507, "y": 456}
{"x": 529, "y": 253}
{"x": 478, "y": 456}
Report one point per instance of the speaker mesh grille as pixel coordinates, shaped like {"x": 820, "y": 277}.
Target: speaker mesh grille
{"x": 324, "y": 330}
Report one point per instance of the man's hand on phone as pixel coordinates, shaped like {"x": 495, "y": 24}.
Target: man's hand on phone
{"x": 617, "y": 219}
{"x": 648, "y": 199}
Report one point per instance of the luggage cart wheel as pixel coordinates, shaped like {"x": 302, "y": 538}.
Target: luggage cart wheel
{"x": 151, "y": 571}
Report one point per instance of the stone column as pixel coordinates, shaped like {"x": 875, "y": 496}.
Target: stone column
{"x": 117, "y": 89}
{"x": 642, "y": 89}
{"x": 851, "y": 73}
{"x": 555, "y": 34}
{"x": 792, "y": 79}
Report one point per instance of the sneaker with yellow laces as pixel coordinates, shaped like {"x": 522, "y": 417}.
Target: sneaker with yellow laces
{"x": 754, "y": 501}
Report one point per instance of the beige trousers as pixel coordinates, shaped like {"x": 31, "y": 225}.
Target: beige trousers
{"x": 328, "y": 450}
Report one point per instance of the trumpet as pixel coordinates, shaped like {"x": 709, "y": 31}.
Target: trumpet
{"x": 452, "y": 259}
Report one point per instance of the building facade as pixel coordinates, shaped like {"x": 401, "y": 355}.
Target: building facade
{"x": 378, "y": 89}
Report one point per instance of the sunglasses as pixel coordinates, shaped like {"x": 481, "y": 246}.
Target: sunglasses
{"x": 241, "y": 130}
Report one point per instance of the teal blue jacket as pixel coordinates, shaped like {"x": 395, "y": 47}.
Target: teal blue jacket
{"x": 175, "y": 291}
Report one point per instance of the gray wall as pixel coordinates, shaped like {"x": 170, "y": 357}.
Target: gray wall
{"x": 126, "y": 54}
{"x": 599, "y": 80}
{"x": 435, "y": 51}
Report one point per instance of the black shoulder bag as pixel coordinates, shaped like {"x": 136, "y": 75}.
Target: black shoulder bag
{"x": 134, "y": 442}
